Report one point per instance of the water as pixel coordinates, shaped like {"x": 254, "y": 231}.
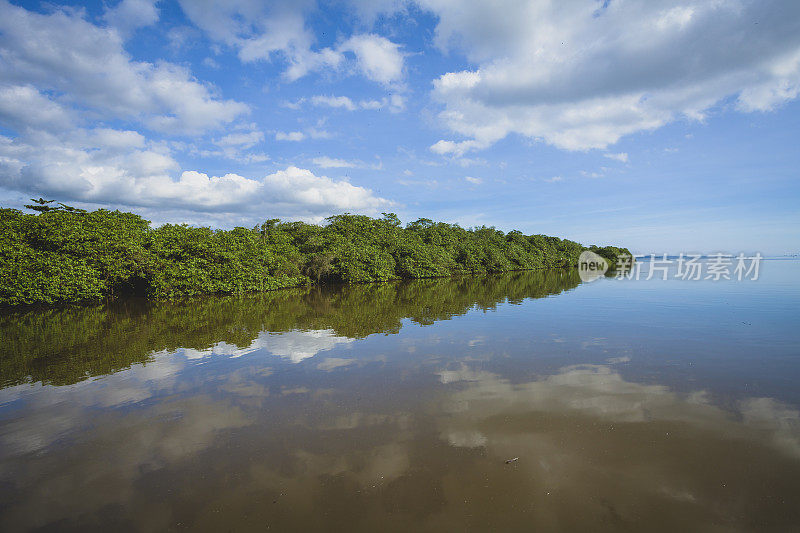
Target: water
{"x": 627, "y": 405}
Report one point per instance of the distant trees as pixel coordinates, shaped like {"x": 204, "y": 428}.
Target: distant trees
{"x": 63, "y": 254}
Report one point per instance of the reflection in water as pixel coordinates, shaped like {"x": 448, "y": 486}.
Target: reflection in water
{"x": 293, "y": 345}
{"x": 63, "y": 346}
{"x": 622, "y": 451}
{"x": 323, "y": 426}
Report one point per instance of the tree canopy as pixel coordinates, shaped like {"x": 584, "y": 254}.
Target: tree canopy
{"x": 63, "y": 254}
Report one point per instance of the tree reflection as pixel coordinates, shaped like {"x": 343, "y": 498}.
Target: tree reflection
{"x": 67, "y": 345}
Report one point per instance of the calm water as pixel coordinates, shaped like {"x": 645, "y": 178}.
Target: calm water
{"x": 630, "y": 405}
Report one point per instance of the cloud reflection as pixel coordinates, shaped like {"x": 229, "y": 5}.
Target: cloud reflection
{"x": 295, "y": 345}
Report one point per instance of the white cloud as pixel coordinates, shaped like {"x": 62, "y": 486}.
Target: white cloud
{"x": 554, "y": 179}
{"x": 264, "y": 31}
{"x": 622, "y": 157}
{"x": 234, "y": 146}
{"x": 111, "y": 140}
{"x": 129, "y": 15}
{"x": 87, "y": 66}
{"x": 372, "y": 104}
{"x": 198, "y": 190}
{"x": 579, "y": 75}
{"x": 120, "y": 167}
{"x": 317, "y": 133}
{"x": 377, "y": 57}
{"x": 334, "y": 101}
{"x": 394, "y": 103}
{"x": 329, "y": 162}
{"x": 183, "y": 37}
{"x": 241, "y": 140}
{"x": 474, "y": 181}
{"x": 319, "y": 194}
{"x": 430, "y": 184}
{"x": 290, "y": 136}
{"x": 24, "y": 107}
{"x": 456, "y": 149}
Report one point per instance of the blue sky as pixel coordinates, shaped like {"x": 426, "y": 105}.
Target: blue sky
{"x": 666, "y": 126}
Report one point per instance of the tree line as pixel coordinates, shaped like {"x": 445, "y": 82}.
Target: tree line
{"x": 62, "y": 254}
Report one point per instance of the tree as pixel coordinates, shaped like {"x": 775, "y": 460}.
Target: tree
{"x": 43, "y": 207}
{"x": 64, "y": 254}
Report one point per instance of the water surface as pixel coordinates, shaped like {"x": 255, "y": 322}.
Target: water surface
{"x": 628, "y": 405}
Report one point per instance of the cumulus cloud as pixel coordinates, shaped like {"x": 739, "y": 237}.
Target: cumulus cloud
{"x": 580, "y": 75}
{"x": 264, "y": 31}
{"x": 121, "y": 167}
{"x": 87, "y": 65}
{"x": 472, "y": 180}
{"x": 59, "y": 71}
{"x": 378, "y": 58}
{"x": 65, "y": 80}
{"x": 318, "y": 194}
{"x": 23, "y": 107}
{"x": 129, "y": 15}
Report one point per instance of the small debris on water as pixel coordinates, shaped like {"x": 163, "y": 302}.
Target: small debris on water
{"x": 513, "y": 460}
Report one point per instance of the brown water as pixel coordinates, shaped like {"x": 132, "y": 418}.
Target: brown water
{"x": 625, "y": 406}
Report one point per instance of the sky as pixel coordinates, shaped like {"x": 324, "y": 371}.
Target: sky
{"x": 663, "y": 126}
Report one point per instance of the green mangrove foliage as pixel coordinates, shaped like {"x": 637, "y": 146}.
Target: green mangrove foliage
{"x": 64, "y": 254}
{"x": 67, "y": 344}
